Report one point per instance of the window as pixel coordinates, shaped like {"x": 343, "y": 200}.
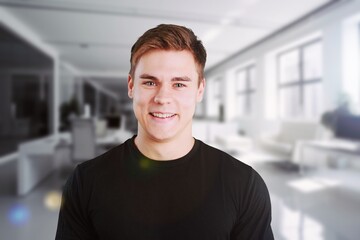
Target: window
{"x": 214, "y": 98}
{"x": 350, "y": 79}
{"x": 217, "y": 97}
{"x": 300, "y": 81}
{"x": 245, "y": 89}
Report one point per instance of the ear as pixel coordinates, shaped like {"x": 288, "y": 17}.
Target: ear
{"x": 130, "y": 86}
{"x": 200, "y": 91}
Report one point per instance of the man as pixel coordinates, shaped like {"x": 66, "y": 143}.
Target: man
{"x": 163, "y": 183}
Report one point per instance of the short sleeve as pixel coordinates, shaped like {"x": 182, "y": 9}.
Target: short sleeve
{"x": 254, "y": 218}
{"x": 74, "y": 222}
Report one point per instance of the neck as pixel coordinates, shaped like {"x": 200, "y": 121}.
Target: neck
{"x": 164, "y": 150}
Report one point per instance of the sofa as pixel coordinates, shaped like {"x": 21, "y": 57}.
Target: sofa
{"x": 286, "y": 142}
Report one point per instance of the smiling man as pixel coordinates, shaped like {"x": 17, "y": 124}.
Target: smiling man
{"x": 165, "y": 88}
{"x": 162, "y": 183}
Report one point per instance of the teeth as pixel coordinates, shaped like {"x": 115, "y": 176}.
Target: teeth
{"x": 162, "y": 115}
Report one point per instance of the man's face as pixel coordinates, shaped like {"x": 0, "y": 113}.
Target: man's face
{"x": 165, "y": 89}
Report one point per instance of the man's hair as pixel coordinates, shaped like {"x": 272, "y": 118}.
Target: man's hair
{"x": 169, "y": 37}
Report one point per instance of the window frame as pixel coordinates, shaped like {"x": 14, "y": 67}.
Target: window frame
{"x": 301, "y": 83}
{"x": 248, "y": 91}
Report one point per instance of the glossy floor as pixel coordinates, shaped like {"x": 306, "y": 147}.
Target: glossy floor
{"x": 315, "y": 206}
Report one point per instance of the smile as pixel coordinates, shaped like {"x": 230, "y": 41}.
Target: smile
{"x": 162, "y": 115}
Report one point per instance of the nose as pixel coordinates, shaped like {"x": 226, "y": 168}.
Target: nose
{"x": 163, "y": 95}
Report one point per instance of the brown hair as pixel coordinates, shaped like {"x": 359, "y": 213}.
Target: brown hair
{"x": 169, "y": 37}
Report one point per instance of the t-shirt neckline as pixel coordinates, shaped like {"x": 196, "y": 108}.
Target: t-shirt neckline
{"x": 163, "y": 163}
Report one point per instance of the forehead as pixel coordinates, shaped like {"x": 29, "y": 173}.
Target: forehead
{"x": 167, "y": 61}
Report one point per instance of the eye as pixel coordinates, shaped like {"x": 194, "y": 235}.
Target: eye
{"x": 149, "y": 83}
{"x": 179, "y": 85}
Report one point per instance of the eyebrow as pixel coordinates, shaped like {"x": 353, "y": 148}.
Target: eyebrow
{"x": 181, "y": 79}
{"x": 147, "y": 76}
{"x": 174, "y": 79}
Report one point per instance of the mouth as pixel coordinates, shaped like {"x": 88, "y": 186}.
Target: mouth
{"x": 162, "y": 115}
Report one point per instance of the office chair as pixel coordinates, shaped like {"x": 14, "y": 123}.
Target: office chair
{"x": 83, "y": 140}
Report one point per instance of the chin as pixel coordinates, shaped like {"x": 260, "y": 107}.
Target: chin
{"x": 162, "y": 137}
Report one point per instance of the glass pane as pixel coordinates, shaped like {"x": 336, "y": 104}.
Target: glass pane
{"x": 213, "y": 109}
{"x": 251, "y": 103}
{"x": 241, "y": 80}
{"x": 313, "y": 104}
{"x": 217, "y": 92}
{"x": 289, "y": 66}
{"x": 313, "y": 61}
{"x": 252, "y": 78}
{"x": 290, "y": 102}
{"x": 214, "y": 100}
{"x": 241, "y": 107}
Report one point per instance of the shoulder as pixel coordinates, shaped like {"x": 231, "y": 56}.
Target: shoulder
{"x": 224, "y": 160}
{"x": 233, "y": 171}
{"x": 89, "y": 177}
{"x": 104, "y": 163}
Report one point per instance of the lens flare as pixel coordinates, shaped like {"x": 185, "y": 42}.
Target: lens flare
{"x": 18, "y": 215}
{"x": 144, "y": 164}
{"x": 52, "y": 200}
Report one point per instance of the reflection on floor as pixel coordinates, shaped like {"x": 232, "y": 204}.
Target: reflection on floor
{"x": 311, "y": 207}
{"x": 33, "y": 217}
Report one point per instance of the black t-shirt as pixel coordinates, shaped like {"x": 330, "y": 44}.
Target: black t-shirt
{"x": 122, "y": 194}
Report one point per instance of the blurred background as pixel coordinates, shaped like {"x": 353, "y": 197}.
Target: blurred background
{"x": 283, "y": 95}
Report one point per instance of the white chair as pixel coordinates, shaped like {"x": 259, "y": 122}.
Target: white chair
{"x": 83, "y": 140}
{"x": 100, "y": 128}
{"x": 286, "y": 142}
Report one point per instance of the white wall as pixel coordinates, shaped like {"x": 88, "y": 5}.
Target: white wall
{"x": 330, "y": 26}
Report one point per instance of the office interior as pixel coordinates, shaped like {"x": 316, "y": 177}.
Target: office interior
{"x": 282, "y": 95}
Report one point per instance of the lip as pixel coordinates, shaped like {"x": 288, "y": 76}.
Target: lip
{"x": 162, "y": 115}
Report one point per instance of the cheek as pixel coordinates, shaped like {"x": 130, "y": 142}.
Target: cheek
{"x": 188, "y": 100}
{"x": 138, "y": 103}
{"x": 140, "y": 98}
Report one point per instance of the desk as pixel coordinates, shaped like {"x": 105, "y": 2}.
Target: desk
{"x": 34, "y": 163}
{"x": 36, "y": 157}
{"x": 235, "y": 142}
{"x": 115, "y": 137}
{"x": 336, "y": 147}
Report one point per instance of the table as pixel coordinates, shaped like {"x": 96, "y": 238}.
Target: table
{"x": 34, "y": 163}
{"x": 36, "y": 157}
{"x": 235, "y": 142}
{"x": 337, "y": 147}
{"x": 114, "y": 137}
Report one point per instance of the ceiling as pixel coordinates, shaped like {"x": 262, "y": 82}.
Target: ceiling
{"x": 15, "y": 53}
{"x": 95, "y": 36}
